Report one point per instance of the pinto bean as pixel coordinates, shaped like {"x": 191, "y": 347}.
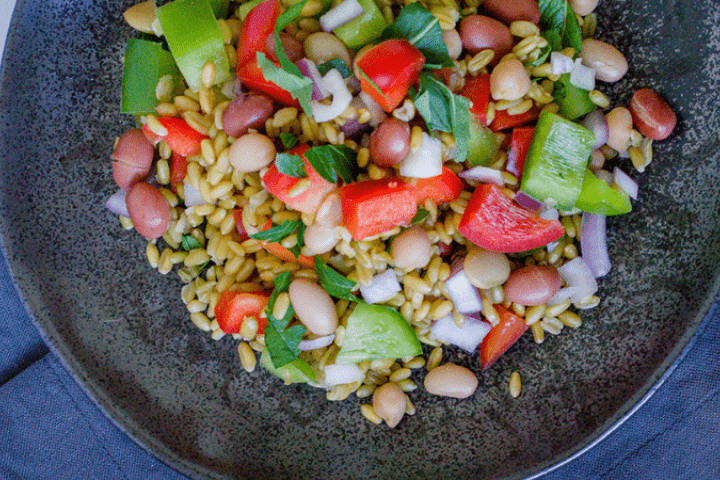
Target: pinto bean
{"x": 510, "y": 11}
{"x": 479, "y": 32}
{"x": 390, "y": 142}
{"x": 620, "y": 125}
{"x": 313, "y": 306}
{"x": 411, "y": 248}
{"x": 132, "y": 159}
{"x": 252, "y": 152}
{"x": 245, "y": 112}
{"x": 451, "y": 380}
{"x": 609, "y": 63}
{"x": 651, "y": 115}
{"x": 148, "y": 209}
{"x": 509, "y": 80}
{"x": 532, "y": 285}
{"x": 389, "y": 403}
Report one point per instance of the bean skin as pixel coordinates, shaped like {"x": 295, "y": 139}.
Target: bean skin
{"x": 510, "y": 11}
{"x": 651, "y": 115}
{"x": 609, "y": 63}
{"x": 451, "y": 380}
{"x": 313, "y": 306}
{"x": 390, "y": 142}
{"x": 132, "y": 159}
{"x": 620, "y": 125}
{"x": 246, "y": 112}
{"x": 148, "y": 209}
{"x": 532, "y": 285}
{"x": 479, "y": 32}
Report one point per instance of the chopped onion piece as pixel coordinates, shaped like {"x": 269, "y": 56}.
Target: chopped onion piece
{"x": 560, "y": 63}
{"x": 550, "y": 213}
{"x": 342, "y": 374}
{"x": 526, "y": 201}
{"x": 552, "y": 246}
{"x": 426, "y": 161}
{"x": 340, "y": 15}
{"x": 384, "y": 286}
{"x": 593, "y": 244}
{"x": 576, "y": 273}
{"x": 582, "y": 77}
{"x": 463, "y": 294}
{"x": 597, "y": 123}
{"x": 484, "y": 175}
{"x": 468, "y": 337}
{"x": 193, "y": 198}
{"x": 314, "y": 344}
{"x": 116, "y": 203}
{"x": 376, "y": 111}
{"x": 624, "y": 181}
{"x": 562, "y": 295}
{"x": 307, "y": 67}
{"x": 335, "y": 84}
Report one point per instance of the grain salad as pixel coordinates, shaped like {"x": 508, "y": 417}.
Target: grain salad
{"x": 349, "y": 189}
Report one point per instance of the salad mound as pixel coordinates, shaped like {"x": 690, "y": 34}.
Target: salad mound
{"x": 347, "y": 188}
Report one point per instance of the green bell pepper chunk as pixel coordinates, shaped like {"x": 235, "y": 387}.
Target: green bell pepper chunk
{"x": 363, "y": 29}
{"x": 599, "y": 198}
{"x": 574, "y": 102}
{"x": 556, "y": 161}
{"x": 194, "y": 37}
{"x": 221, "y": 8}
{"x": 483, "y": 143}
{"x": 146, "y": 63}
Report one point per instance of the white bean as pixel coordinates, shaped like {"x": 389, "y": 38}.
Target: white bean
{"x": 486, "y": 269}
{"x": 509, "y": 80}
{"x": 411, "y": 248}
{"x": 389, "y": 403}
{"x": 320, "y": 239}
{"x": 609, "y": 63}
{"x": 451, "y": 380}
{"x": 313, "y": 306}
{"x": 620, "y": 126}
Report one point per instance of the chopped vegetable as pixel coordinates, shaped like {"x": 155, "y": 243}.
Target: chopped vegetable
{"x": 483, "y": 144}
{"x": 599, "y": 198}
{"x": 441, "y": 189}
{"x": 593, "y": 244}
{"x": 477, "y": 90}
{"x": 340, "y": 15}
{"x": 178, "y": 170}
{"x": 574, "y": 102}
{"x": 145, "y": 64}
{"x": 297, "y": 371}
{"x": 468, "y": 337}
{"x": 519, "y": 146}
{"x": 363, "y": 29}
{"x": 558, "y": 16}
{"x": 334, "y": 283}
{"x": 503, "y": 119}
{"x": 256, "y": 26}
{"x": 181, "y": 137}
{"x": 234, "y": 307}
{"x": 377, "y": 332}
{"x": 384, "y": 286}
{"x": 501, "y": 337}
{"x": 424, "y": 162}
{"x": 492, "y": 221}
{"x": 271, "y": 243}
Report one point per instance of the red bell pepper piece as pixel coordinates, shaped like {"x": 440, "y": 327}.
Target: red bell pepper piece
{"x": 376, "y": 206}
{"x": 239, "y": 227}
{"x": 444, "y": 188}
{"x": 504, "y": 120}
{"x": 477, "y": 90}
{"x": 519, "y": 146}
{"x": 181, "y": 138}
{"x": 501, "y": 337}
{"x": 234, "y": 307}
{"x": 258, "y": 24}
{"x": 494, "y": 222}
{"x": 178, "y": 170}
{"x": 252, "y": 77}
{"x": 280, "y": 185}
{"x": 283, "y": 253}
{"x": 393, "y": 66}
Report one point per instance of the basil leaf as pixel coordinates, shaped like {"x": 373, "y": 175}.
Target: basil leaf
{"x": 554, "y": 40}
{"x": 420, "y": 216}
{"x": 544, "y": 54}
{"x": 557, "y": 15}
{"x": 329, "y": 161}
{"x": 190, "y": 243}
{"x": 282, "y": 343}
{"x": 300, "y": 87}
{"x": 289, "y": 140}
{"x": 324, "y": 68}
{"x": 301, "y": 234}
{"x": 277, "y": 232}
{"x": 460, "y": 119}
{"x": 290, "y": 164}
{"x": 282, "y": 283}
{"x": 334, "y": 283}
{"x": 420, "y": 27}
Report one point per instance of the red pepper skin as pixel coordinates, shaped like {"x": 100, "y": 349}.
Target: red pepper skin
{"x": 519, "y": 146}
{"x": 503, "y": 120}
{"x": 394, "y": 66}
{"x": 376, "y": 206}
{"x": 501, "y": 337}
{"x": 283, "y": 253}
{"x": 280, "y": 185}
{"x": 494, "y": 222}
{"x": 181, "y": 138}
{"x": 477, "y": 90}
{"x": 239, "y": 227}
{"x": 258, "y": 24}
{"x": 178, "y": 170}
{"x": 234, "y": 307}
{"x": 252, "y": 77}
{"x": 444, "y": 188}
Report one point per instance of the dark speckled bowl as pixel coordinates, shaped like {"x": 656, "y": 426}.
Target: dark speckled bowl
{"x": 124, "y": 333}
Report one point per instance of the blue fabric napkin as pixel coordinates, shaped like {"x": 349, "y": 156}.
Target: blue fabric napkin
{"x": 49, "y": 429}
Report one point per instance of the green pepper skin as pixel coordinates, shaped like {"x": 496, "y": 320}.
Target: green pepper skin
{"x": 364, "y": 29}
{"x": 145, "y": 64}
{"x": 599, "y": 198}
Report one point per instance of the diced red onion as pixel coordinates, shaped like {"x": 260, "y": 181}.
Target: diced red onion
{"x": 526, "y": 201}
{"x": 342, "y": 374}
{"x": 307, "y": 67}
{"x": 193, "y": 198}
{"x": 426, "y": 161}
{"x": 377, "y": 114}
{"x": 384, "y": 286}
{"x": 314, "y": 344}
{"x": 116, "y": 203}
{"x": 463, "y": 294}
{"x": 593, "y": 244}
{"x": 597, "y": 123}
{"x": 338, "y": 16}
{"x": 468, "y": 337}
{"x": 582, "y": 77}
{"x": 484, "y": 175}
{"x": 577, "y": 273}
{"x": 550, "y": 213}
{"x": 352, "y": 127}
{"x": 560, "y": 63}
{"x": 354, "y": 83}
{"x": 605, "y": 176}
{"x": 335, "y": 84}
{"x": 624, "y": 181}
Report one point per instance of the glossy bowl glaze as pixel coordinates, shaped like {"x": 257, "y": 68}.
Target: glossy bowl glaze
{"x": 123, "y": 332}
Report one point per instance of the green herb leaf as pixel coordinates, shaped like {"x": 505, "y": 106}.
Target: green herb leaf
{"x": 420, "y": 216}
{"x": 277, "y": 232}
{"x": 189, "y": 243}
{"x": 301, "y": 234}
{"x": 557, "y": 15}
{"x": 289, "y": 140}
{"x": 544, "y": 54}
{"x": 300, "y": 87}
{"x": 554, "y": 40}
{"x": 324, "y": 68}
{"x": 329, "y": 161}
{"x": 334, "y": 283}
{"x": 442, "y": 110}
{"x": 282, "y": 342}
{"x": 290, "y": 164}
{"x": 420, "y": 27}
